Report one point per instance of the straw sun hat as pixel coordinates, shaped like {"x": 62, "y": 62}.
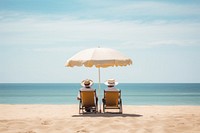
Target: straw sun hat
{"x": 87, "y": 82}
{"x": 111, "y": 82}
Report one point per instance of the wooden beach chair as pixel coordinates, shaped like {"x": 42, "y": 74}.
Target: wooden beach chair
{"x": 112, "y": 100}
{"x": 89, "y": 100}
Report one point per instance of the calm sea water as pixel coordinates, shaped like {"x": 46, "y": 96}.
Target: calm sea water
{"x": 132, "y": 94}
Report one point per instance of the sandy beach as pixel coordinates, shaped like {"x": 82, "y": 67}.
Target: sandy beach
{"x": 66, "y": 119}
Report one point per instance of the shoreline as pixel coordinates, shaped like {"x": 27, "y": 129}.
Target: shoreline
{"x": 39, "y": 118}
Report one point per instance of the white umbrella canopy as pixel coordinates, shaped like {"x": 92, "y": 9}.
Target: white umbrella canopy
{"x": 98, "y": 57}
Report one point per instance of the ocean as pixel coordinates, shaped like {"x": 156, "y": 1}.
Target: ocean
{"x": 132, "y": 93}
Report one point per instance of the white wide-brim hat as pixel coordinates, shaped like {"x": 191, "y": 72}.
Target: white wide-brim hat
{"x": 87, "y": 82}
{"x": 111, "y": 82}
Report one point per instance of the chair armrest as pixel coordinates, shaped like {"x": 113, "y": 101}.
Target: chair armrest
{"x": 78, "y": 98}
{"x": 119, "y": 100}
{"x": 104, "y": 100}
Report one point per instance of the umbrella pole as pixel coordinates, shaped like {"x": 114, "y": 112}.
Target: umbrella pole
{"x": 99, "y": 90}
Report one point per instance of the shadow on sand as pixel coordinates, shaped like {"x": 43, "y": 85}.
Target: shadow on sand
{"x": 106, "y": 115}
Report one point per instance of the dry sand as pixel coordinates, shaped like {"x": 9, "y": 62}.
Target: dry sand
{"x": 65, "y": 119}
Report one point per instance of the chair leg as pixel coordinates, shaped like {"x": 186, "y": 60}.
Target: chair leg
{"x": 103, "y": 100}
{"x": 120, "y": 110}
{"x": 79, "y": 108}
{"x": 120, "y": 106}
{"x": 104, "y": 108}
{"x": 96, "y": 107}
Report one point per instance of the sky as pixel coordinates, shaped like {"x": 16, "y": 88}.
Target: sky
{"x": 162, "y": 37}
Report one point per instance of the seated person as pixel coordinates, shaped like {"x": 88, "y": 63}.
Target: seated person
{"x": 110, "y": 86}
{"x": 86, "y": 86}
{"x": 112, "y": 96}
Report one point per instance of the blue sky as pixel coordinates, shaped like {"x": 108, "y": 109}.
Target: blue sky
{"x": 161, "y": 37}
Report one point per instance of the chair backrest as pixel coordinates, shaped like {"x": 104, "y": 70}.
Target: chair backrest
{"x": 88, "y": 98}
{"x": 112, "y": 97}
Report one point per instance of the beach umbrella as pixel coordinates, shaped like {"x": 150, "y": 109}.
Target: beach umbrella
{"x": 100, "y": 58}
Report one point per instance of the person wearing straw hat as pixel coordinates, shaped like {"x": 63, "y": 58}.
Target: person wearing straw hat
{"x": 86, "y": 86}
{"x": 111, "y": 85}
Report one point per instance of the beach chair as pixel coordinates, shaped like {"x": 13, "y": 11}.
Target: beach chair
{"x": 112, "y": 100}
{"x": 88, "y": 100}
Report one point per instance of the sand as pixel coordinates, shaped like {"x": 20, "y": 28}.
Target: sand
{"x": 66, "y": 119}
